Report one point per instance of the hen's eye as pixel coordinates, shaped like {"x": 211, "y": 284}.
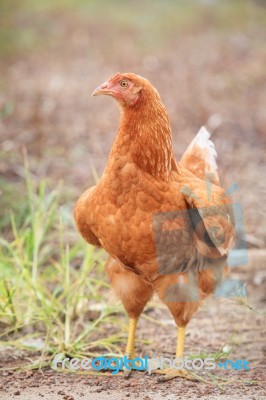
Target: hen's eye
{"x": 124, "y": 84}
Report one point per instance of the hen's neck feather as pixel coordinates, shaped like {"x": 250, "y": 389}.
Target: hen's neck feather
{"x": 145, "y": 136}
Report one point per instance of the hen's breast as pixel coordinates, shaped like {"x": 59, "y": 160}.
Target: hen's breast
{"x": 134, "y": 218}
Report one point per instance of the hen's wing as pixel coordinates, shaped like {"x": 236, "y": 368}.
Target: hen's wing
{"x": 200, "y": 157}
{"x": 211, "y": 215}
{"x": 80, "y": 212}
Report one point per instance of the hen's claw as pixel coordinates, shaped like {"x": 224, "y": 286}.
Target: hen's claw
{"x": 127, "y": 373}
{"x": 169, "y": 374}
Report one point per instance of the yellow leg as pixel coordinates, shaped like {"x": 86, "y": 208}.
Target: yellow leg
{"x": 181, "y": 332}
{"x": 174, "y": 373}
{"x": 130, "y": 349}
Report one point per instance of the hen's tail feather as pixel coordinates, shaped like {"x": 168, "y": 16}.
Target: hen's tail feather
{"x": 200, "y": 157}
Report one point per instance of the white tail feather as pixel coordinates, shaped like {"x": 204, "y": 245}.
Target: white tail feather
{"x": 202, "y": 139}
{"x": 200, "y": 157}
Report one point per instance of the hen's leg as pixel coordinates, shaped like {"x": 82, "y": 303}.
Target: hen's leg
{"x": 130, "y": 349}
{"x": 168, "y": 290}
{"x": 176, "y": 373}
{"x": 134, "y": 293}
{"x": 180, "y": 342}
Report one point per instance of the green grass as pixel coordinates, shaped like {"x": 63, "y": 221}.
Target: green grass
{"x": 53, "y": 296}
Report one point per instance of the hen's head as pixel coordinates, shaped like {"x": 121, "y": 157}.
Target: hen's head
{"x": 126, "y": 88}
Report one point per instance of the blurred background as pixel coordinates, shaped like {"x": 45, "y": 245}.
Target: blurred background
{"x": 206, "y": 57}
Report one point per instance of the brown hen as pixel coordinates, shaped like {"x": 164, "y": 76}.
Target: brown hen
{"x": 167, "y": 226}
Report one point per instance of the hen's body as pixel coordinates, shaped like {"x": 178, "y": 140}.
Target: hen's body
{"x": 123, "y": 204}
{"x": 154, "y": 217}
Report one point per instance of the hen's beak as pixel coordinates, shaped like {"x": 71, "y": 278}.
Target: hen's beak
{"x": 102, "y": 89}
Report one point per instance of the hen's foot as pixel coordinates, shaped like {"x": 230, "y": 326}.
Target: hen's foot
{"x": 128, "y": 372}
{"x": 169, "y": 374}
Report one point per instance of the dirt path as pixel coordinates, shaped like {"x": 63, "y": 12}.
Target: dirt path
{"x": 69, "y": 387}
